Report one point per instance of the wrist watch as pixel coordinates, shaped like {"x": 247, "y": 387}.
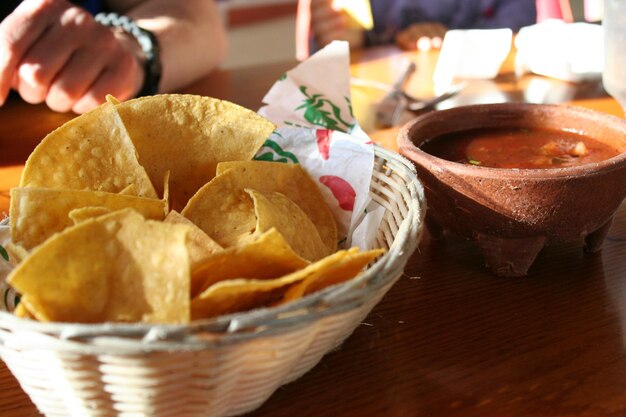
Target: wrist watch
{"x": 149, "y": 45}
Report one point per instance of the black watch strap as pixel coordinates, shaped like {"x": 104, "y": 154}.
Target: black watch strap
{"x": 149, "y": 45}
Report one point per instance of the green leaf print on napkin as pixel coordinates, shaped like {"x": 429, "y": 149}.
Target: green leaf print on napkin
{"x": 4, "y": 254}
{"x": 10, "y": 299}
{"x": 276, "y": 153}
{"x": 320, "y": 111}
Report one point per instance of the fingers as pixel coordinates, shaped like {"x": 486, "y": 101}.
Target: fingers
{"x": 97, "y": 50}
{"x": 49, "y": 54}
{"x": 18, "y": 31}
{"x": 74, "y": 80}
{"x": 327, "y": 23}
{"x": 331, "y": 30}
{"x": 119, "y": 79}
{"x": 53, "y": 51}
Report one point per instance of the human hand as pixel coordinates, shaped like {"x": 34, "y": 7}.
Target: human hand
{"x": 422, "y": 36}
{"x": 329, "y": 23}
{"x": 53, "y": 51}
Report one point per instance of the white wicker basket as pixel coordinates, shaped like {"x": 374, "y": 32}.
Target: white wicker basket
{"x": 220, "y": 367}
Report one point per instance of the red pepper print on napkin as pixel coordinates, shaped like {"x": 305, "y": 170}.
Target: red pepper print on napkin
{"x": 341, "y": 189}
{"x": 323, "y": 142}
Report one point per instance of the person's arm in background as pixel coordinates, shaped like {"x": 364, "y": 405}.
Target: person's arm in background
{"x": 54, "y": 51}
{"x": 191, "y": 36}
{"x": 329, "y": 23}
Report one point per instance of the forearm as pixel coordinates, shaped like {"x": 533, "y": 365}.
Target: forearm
{"x": 191, "y": 36}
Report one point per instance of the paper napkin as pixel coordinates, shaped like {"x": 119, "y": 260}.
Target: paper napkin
{"x": 474, "y": 53}
{"x": 311, "y": 106}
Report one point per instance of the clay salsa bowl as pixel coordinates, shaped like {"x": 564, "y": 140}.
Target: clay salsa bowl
{"x": 512, "y": 213}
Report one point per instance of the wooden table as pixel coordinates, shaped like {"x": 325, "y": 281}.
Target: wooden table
{"x": 449, "y": 339}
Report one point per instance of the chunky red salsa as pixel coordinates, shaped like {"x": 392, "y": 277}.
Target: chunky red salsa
{"x": 519, "y": 148}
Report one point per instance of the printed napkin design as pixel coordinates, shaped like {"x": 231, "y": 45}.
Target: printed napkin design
{"x": 317, "y": 129}
{"x": 320, "y": 111}
{"x": 8, "y": 297}
{"x": 307, "y": 97}
{"x": 341, "y": 164}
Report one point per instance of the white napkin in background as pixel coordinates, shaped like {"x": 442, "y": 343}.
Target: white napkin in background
{"x": 567, "y": 51}
{"x": 473, "y": 53}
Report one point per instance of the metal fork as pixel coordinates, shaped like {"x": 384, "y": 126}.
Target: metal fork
{"x": 453, "y": 90}
{"x": 390, "y": 109}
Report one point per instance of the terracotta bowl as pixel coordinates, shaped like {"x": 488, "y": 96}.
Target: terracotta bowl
{"x": 513, "y": 213}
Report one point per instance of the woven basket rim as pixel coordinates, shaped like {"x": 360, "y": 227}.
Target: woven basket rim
{"x": 236, "y": 327}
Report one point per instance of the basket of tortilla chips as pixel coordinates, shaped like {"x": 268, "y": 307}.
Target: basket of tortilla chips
{"x": 155, "y": 268}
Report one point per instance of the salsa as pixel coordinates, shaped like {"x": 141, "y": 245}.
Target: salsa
{"x": 519, "y": 148}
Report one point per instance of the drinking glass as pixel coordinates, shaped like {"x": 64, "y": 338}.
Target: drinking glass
{"x": 614, "y": 75}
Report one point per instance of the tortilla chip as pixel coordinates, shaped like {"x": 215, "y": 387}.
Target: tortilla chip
{"x": 38, "y": 213}
{"x": 91, "y": 152}
{"x": 131, "y": 189}
{"x": 22, "y": 311}
{"x": 224, "y": 212}
{"x": 84, "y": 213}
{"x": 220, "y": 205}
{"x": 119, "y": 267}
{"x": 192, "y": 135}
{"x": 199, "y": 244}
{"x": 263, "y": 257}
{"x": 112, "y": 99}
{"x": 275, "y": 210}
{"x": 331, "y": 271}
{"x": 17, "y": 253}
{"x": 235, "y": 295}
{"x": 166, "y": 190}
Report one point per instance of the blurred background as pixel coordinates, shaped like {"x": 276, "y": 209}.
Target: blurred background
{"x": 263, "y": 31}
{"x": 259, "y": 31}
